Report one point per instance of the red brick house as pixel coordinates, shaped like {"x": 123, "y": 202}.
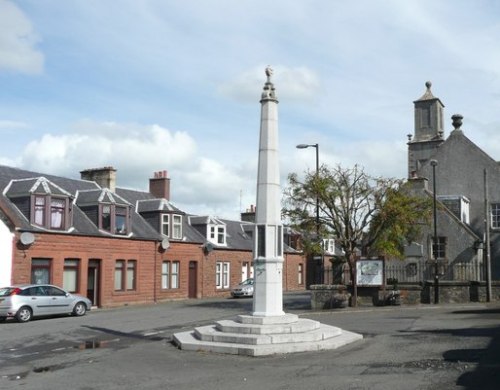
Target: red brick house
{"x": 120, "y": 246}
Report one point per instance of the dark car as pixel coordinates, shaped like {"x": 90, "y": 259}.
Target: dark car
{"x": 33, "y": 300}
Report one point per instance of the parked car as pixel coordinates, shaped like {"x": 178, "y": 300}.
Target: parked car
{"x": 33, "y": 300}
{"x": 244, "y": 289}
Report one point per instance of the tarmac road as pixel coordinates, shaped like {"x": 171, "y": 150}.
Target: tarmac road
{"x": 415, "y": 347}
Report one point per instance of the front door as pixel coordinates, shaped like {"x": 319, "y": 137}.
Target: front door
{"x": 193, "y": 279}
{"x": 93, "y": 284}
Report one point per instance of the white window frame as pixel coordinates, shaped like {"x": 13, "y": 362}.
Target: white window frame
{"x": 176, "y": 232}
{"x": 174, "y": 274}
{"x": 165, "y": 224}
{"x": 222, "y": 275}
{"x": 165, "y": 275}
{"x": 300, "y": 274}
{"x": 71, "y": 275}
{"x": 329, "y": 245}
{"x": 216, "y": 234}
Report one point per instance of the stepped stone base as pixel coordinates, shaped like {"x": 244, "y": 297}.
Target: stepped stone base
{"x": 260, "y": 336}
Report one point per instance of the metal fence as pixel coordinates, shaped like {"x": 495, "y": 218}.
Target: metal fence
{"x": 414, "y": 272}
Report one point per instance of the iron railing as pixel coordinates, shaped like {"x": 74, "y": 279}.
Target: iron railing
{"x": 415, "y": 272}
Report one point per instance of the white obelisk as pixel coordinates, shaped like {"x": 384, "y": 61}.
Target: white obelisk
{"x": 268, "y": 237}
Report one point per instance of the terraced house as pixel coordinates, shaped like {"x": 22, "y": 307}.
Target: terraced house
{"x": 119, "y": 246}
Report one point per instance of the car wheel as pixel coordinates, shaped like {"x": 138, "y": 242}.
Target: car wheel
{"x": 2, "y": 319}
{"x": 80, "y": 309}
{"x": 24, "y": 314}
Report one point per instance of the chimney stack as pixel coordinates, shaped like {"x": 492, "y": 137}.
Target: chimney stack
{"x": 159, "y": 185}
{"x": 249, "y": 214}
{"x": 104, "y": 177}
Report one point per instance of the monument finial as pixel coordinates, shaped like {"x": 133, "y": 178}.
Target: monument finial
{"x": 269, "y": 73}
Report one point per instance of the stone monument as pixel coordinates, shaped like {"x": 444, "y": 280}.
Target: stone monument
{"x": 268, "y": 329}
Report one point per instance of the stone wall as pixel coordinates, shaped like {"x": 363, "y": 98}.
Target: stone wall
{"x": 336, "y": 296}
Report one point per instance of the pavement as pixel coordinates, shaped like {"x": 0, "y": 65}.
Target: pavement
{"x": 404, "y": 347}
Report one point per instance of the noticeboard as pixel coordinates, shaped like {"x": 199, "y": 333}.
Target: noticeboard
{"x": 370, "y": 272}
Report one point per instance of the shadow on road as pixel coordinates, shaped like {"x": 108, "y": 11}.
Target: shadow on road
{"x": 486, "y": 361}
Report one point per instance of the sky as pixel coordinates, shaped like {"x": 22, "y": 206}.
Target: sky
{"x": 174, "y": 85}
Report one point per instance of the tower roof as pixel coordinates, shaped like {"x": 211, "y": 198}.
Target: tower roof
{"x": 428, "y": 94}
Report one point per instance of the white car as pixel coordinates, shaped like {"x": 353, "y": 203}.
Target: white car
{"x": 33, "y": 300}
{"x": 244, "y": 289}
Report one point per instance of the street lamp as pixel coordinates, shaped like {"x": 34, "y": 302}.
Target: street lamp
{"x": 434, "y": 240}
{"x": 305, "y": 146}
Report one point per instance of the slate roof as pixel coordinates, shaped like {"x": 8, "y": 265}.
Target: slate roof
{"x": 15, "y": 182}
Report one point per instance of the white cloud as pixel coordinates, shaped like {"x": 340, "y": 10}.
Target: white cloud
{"x": 18, "y": 41}
{"x": 136, "y": 151}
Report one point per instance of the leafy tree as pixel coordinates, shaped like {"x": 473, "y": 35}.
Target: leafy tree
{"x": 359, "y": 210}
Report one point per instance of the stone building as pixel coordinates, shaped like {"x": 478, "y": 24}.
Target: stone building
{"x": 460, "y": 168}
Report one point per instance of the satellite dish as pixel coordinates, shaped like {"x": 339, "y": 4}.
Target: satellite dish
{"x": 208, "y": 247}
{"x": 27, "y": 238}
{"x": 165, "y": 244}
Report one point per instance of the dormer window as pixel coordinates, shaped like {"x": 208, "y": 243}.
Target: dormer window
{"x": 43, "y": 203}
{"x": 329, "y": 245}
{"x": 50, "y": 212}
{"x": 165, "y": 224}
{"x": 176, "y": 226}
{"x": 114, "y": 219}
{"x": 217, "y": 234}
{"x": 171, "y": 226}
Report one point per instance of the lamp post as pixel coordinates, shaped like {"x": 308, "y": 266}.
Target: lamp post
{"x": 434, "y": 240}
{"x": 305, "y": 146}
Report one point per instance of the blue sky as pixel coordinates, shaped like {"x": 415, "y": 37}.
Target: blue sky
{"x": 150, "y": 85}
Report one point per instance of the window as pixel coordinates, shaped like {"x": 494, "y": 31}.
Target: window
{"x": 114, "y": 219}
{"x": 39, "y": 211}
{"x": 50, "y": 212}
{"x": 176, "y": 226}
{"x": 131, "y": 274}
{"x": 222, "y": 275}
{"x": 495, "y": 215}
{"x": 165, "y": 275}
{"x": 170, "y": 274}
{"x": 165, "y": 223}
{"x": 119, "y": 268}
{"x": 57, "y": 211}
{"x": 70, "y": 275}
{"x": 175, "y": 274}
{"x": 439, "y": 248}
{"x": 329, "y": 245}
{"x": 40, "y": 271}
{"x": 125, "y": 275}
{"x": 106, "y": 218}
{"x": 120, "y": 220}
{"x": 300, "y": 274}
{"x": 217, "y": 234}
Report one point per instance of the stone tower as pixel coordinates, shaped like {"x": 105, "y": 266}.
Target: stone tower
{"x": 429, "y": 132}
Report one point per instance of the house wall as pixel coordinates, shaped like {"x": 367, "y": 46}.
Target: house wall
{"x": 184, "y": 253}
{"x": 6, "y": 242}
{"x": 58, "y": 247}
